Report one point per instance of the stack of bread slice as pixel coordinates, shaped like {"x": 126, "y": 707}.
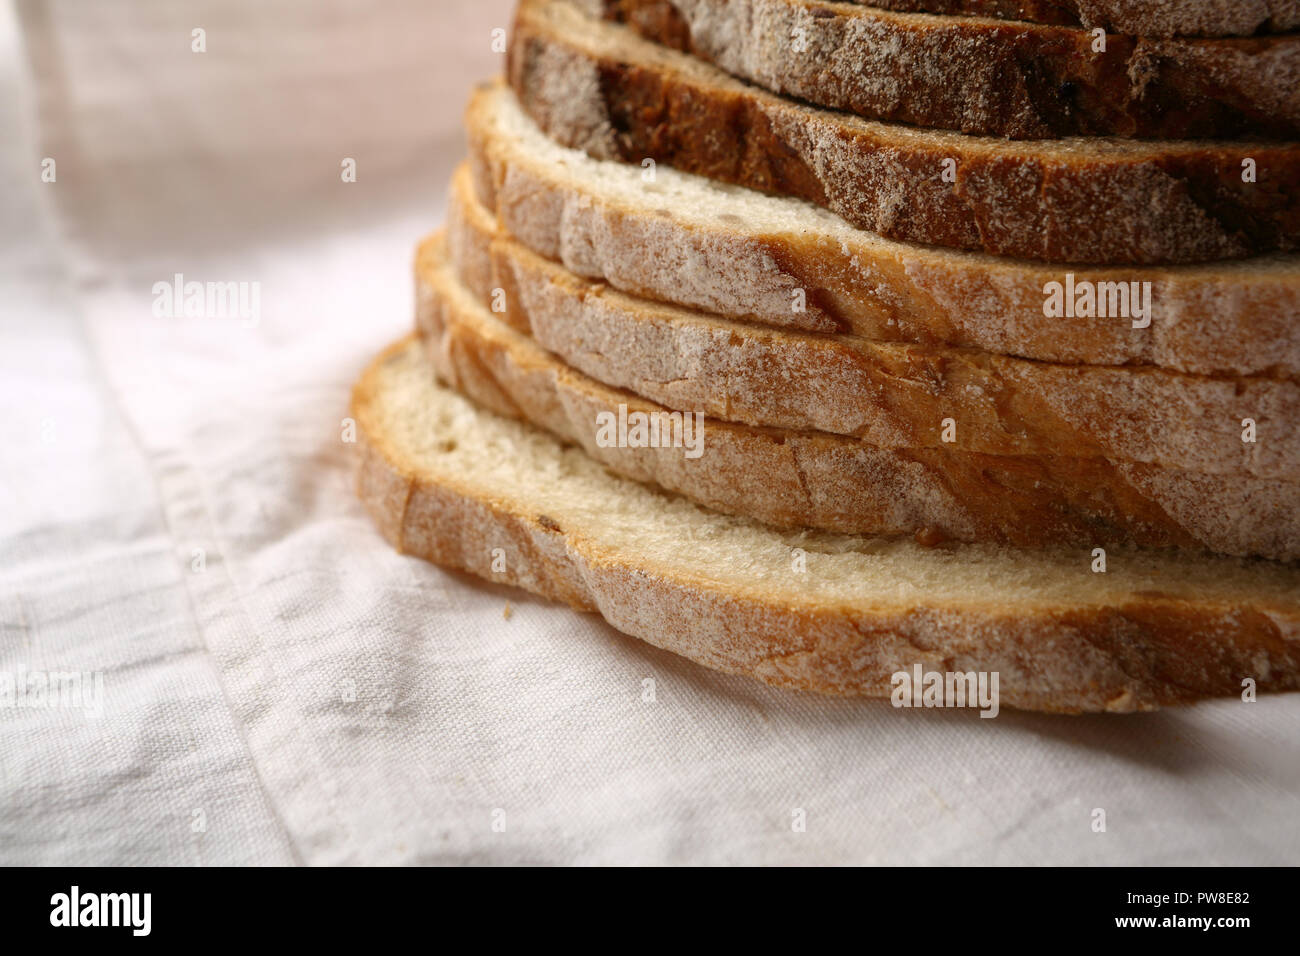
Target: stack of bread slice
{"x": 818, "y": 341}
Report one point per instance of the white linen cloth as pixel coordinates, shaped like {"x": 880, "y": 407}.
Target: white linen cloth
{"x": 278, "y": 687}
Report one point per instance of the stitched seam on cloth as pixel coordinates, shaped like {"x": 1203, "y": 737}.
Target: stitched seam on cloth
{"x": 79, "y": 280}
{"x": 129, "y": 426}
{"x": 236, "y": 593}
{"x": 54, "y": 74}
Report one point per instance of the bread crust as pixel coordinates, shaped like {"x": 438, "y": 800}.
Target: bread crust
{"x": 989, "y": 78}
{"x": 1210, "y": 18}
{"x": 598, "y": 87}
{"x": 809, "y": 479}
{"x": 1145, "y": 649}
{"x": 1227, "y": 319}
{"x": 892, "y": 396}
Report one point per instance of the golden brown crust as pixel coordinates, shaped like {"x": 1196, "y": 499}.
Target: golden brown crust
{"x": 1020, "y": 80}
{"x": 1142, "y": 652}
{"x": 804, "y": 479}
{"x": 892, "y": 396}
{"x": 599, "y": 88}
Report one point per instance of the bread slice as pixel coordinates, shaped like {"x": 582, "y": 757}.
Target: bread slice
{"x": 597, "y": 86}
{"x": 738, "y": 253}
{"x": 891, "y": 395}
{"x": 1211, "y": 18}
{"x": 795, "y": 479}
{"x": 987, "y": 77}
{"x": 454, "y": 484}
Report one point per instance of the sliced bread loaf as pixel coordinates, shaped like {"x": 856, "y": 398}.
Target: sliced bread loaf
{"x": 988, "y": 77}
{"x": 810, "y": 479}
{"x": 665, "y": 235}
{"x": 1152, "y": 18}
{"x": 597, "y": 86}
{"x": 891, "y": 395}
{"x": 457, "y": 485}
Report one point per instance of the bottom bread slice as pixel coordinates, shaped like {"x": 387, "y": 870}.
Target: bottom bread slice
{"x": 455, "y": 484}
{"x": 811, "y": 479}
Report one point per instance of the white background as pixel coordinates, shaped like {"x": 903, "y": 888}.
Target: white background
{"x": 129, "y": 441}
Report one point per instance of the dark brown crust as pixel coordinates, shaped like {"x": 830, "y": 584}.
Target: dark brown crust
{"x": 1140, "y": 17}
{"x": 1023, "y": 81}
{"x": 1059, "y": 203}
